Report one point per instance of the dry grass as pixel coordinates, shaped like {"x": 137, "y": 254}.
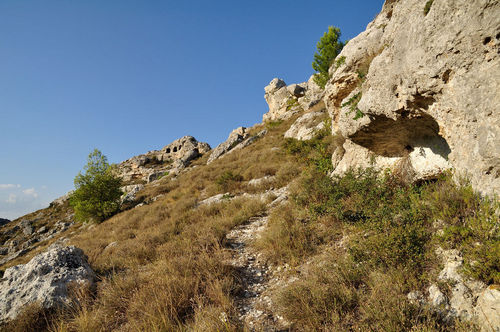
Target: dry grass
{"x": 166, "y": 270}
{"x": 357, "y": 246}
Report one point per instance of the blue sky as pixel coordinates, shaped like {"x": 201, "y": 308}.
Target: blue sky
{"x": 127, "y": 77}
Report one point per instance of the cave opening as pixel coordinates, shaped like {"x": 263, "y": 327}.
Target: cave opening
{"x": 396, "y": 138}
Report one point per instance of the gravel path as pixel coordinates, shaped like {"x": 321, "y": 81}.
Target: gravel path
{"x": 252, "y": 303}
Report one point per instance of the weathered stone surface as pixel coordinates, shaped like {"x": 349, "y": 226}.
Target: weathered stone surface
{"x": 424, "y": 83}
{"x": 44, "y": 279}
{"x": 277, "y": 97}
{"x": 468, "y": 299}
{"x": 313, "y": 97}
{"x": 27, "y": 227}
{"x": 172, "y": 158}
{"x": 261, "y": 181}
{"x": 488, "y": 310}
{"x": 185, "y": 148}
{"x": 130, "y": 191}
{"x": 306, "y": 126}
{"x": 436, "y": 297}
{"x": 235, "y": 137}
{"x": 215, "y": 199}
{"x": 297, "y": 90}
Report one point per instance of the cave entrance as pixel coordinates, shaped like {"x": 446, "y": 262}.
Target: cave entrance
{"x": 395, "y": 138}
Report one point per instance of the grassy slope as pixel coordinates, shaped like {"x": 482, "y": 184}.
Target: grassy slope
{"x": 357, "y": 246}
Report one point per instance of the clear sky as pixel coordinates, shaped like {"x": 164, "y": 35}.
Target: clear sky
{"x": 129, "y": 76}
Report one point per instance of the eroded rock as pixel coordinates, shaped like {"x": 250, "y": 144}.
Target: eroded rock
{"x": 44, "y": 280}
{"x": 306, "y": 126}
{"x": 423, "y": 88}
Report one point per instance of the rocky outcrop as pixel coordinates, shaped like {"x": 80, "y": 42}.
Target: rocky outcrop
{"x": 171, "y": 159}
{"x": 130, "y": 191}
{"x": 284, "y": 101}
{"x": 422, "y": 86}
{"x": 306, "y": 126}
{"x": 467, "y": 299}
{"x": 44, "y": 280}
{"x": 235, "y": 137}
{"x": 185, "y": 149}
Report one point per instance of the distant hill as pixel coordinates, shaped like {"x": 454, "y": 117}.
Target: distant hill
{"x": 4, "y": 221}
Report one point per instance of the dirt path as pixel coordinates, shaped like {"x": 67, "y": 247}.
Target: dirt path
{"x": 252, "y": 303}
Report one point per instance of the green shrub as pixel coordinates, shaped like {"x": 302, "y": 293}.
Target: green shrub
{"x": 97, "y": 191}
{"x": 316, "y": 151}
{"x": 427, "y": 7}
{"x": 329, "y": 46}
{"x": 353, "y": 106}
{"x": 339, "y": 61}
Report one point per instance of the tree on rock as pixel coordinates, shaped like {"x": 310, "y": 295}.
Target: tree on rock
{"x": 97, "y": 191}
{"x": 329, "y": 46}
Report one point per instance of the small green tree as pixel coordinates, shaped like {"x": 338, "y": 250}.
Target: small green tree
{"x": 329, "y": 46}
{"x": 97, "y": 191}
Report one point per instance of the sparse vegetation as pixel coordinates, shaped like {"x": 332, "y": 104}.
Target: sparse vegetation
{"x": 357, "y": 245}
{"x": 428, "y": 6}
{"x": 369, "y": 239}
{"x": 291, "y": 103}
{"x": 353, "y": 106}
{"x": 339, "y": 61}
{"x": 97, "y": 191}
{"x": 329, "y": 46}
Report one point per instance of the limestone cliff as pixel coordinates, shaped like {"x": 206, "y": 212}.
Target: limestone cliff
{"x": 422, "y": 85}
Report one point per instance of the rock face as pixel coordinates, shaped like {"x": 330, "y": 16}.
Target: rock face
{"x": 44, "y": 279}
{"x": 284, "y": 101}
{"x": 306, "y": 126}
{"x": 422, "y": 86}
{"x": 172, "y": 158}
{"x": 186, "y": 149}
{"x": 130, "y": 191}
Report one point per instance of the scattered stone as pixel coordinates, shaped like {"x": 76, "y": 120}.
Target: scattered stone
{"x": 44, "y": 279}
{"x": 260, "y": 181}
{"x": 467, "y": 300}
{"x": 215, "y": 199}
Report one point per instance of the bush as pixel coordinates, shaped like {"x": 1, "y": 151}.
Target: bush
{"x": 329, "y": 47}
{"x": 427, "y": 7}
{"x": 97, "y": 191}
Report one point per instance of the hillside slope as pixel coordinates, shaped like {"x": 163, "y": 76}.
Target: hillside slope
{"x": 314, "y": 220}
